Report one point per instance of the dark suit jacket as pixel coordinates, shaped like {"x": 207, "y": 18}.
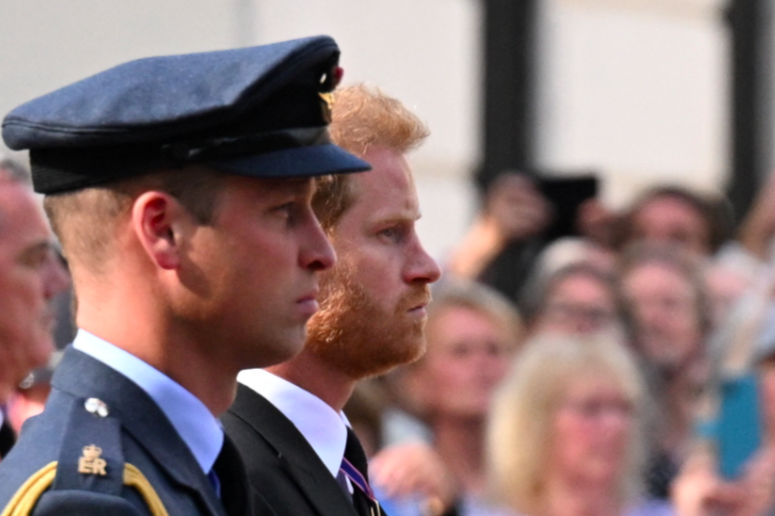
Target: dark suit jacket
{"x": 280, "y": 462}
{"x": 7, "y": 438}
{"x": 135, "y": 432}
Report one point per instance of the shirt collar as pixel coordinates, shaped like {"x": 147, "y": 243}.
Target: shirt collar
{"x": 195, "y": 424}
{"x": 324, "y": 428}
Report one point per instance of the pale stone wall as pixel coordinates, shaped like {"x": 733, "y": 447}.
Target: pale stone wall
{"x": 636, "y": 89}
{"x": 633, "y": 88}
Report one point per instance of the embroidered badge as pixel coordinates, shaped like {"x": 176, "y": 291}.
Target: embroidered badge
{"x": 91, "y": 463}
{"x": 328, "y": 98}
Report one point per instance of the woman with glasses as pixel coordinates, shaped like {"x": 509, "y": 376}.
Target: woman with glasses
{"x": 565, "y": 434}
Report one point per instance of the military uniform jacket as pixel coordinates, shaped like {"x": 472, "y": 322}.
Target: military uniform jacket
{"x": 111, "y": 461}
{"x": 280, "y": 462}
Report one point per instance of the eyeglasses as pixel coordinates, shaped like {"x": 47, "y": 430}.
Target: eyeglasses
{"x": 597, "y": 408}
{"x": 596, "y": 316}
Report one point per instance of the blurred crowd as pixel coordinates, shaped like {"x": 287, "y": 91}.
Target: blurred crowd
{"x": 570, "y": 375}
{"x": 592, "y": 372}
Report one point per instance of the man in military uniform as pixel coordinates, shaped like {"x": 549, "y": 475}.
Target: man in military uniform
{"x": 180, "y": 189}
{"x": 30, "y": 276}
{"x": 287, "y": 420}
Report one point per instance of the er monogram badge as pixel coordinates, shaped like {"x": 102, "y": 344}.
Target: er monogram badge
{"x": 91, "y": 463}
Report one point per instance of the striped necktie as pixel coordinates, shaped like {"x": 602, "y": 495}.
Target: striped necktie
{"x": 355, "y": 467}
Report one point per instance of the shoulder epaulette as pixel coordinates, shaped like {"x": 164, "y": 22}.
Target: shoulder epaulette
{"x": 91, "y": 459}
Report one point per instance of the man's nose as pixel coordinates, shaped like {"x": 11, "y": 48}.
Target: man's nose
{"x": 422, "y": 268}
{"x": 317, "y": 253}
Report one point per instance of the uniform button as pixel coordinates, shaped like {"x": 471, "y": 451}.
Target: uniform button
{"x": 97, "y": 407}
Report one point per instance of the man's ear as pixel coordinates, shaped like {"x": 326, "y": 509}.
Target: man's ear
{"x": 156, "y": 220}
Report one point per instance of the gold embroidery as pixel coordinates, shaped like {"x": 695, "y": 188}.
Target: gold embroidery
{"x": 329, "y": 99}
{"x": 28, "y": 494}
{"x": 91, "y": 463}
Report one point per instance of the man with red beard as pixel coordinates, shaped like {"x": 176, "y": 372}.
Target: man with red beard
{"x": 287, "y": 420}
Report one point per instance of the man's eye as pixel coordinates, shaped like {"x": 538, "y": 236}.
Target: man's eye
{"x": 36, "y": 257}
{"x": 285, "y": 210}
{"x": 460, "y": 350}
{"x": 393, "y": 233}
{"x": 389, "y": 232}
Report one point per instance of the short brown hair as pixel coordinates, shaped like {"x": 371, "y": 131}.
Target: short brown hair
{"x": 689, "y": 267}
{"x": 12, "y": 173}
{"x": 715, "y": 212}
{"x": 363, "y": 117}
{"x": 479, "y": 298}
{"x": 85, "y": 220}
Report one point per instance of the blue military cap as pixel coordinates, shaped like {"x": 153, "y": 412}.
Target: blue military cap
{"x": 260, "y": 111}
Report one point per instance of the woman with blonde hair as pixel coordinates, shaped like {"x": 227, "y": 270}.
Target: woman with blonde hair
{"x": 565, "y": 434}
{"x": 472, "y": 334}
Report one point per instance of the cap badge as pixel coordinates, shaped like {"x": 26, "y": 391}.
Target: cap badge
{"x": 328, "y": 98}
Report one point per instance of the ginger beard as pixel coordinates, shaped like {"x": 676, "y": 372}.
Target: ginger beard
{"x": 357, "y": 336}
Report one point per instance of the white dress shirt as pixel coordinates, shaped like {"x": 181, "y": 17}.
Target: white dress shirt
{"x": 324, "y": 428}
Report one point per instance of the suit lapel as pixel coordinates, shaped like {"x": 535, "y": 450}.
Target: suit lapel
{"x": 83, "y": 376}
{"x": 298, "y": 459}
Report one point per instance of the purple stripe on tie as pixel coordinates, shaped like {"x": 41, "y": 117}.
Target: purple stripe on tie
{"x": 215, "y": 481}
{"x": 358, "y": 479}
